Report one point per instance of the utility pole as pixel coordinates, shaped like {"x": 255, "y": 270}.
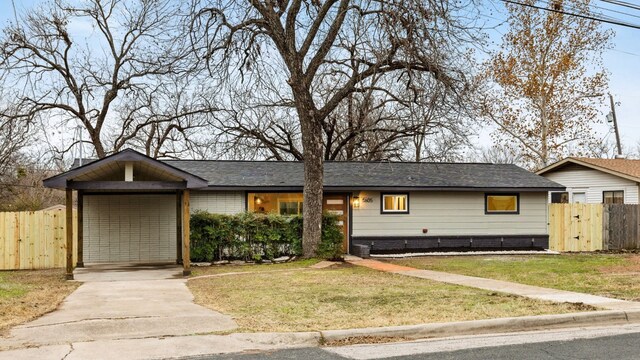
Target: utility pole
{"x": 612, "y": 117}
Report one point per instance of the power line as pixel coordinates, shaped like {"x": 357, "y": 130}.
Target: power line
{"x": 609, "y": 21}
{"x": 600, "y": 16}
{"x": 615, "y": 11}
{"x": 622, "y": 3}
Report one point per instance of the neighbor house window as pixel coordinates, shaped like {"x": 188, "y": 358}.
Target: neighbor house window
{"x": 277, "y": 203}
{"x": 560, "y": 197}
{"x": 613, "y": 197}
{"x": 502, "y": 204}
{"x": 395, "y": 204}
{"x": 579, "y": 197}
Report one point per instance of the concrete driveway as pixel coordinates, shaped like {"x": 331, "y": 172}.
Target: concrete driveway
{"x": 122, "y": 302}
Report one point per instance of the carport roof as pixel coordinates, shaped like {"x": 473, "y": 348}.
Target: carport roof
{"x": 99, "y": 175}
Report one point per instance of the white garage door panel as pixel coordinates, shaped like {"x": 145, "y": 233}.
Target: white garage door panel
{"x": 134, "y": 228}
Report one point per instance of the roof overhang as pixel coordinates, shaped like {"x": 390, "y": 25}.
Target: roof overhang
{"x": 384, "y": 188}
{"x": 569, "y": 160}
{"x": 180, "y": 179}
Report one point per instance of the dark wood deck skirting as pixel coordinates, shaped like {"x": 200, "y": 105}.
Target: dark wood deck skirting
{"x": 400, "y": 244}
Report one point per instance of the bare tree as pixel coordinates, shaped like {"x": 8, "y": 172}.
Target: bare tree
{"x": 497, "y": 154}
{"x": 22, "y": 188}
{"x": 323, "y": 52}
{"x": 14, "y": 137}
{"x": 112, "y": 77}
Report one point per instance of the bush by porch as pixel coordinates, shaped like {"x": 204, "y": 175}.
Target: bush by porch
{"x": 256, "y": 237}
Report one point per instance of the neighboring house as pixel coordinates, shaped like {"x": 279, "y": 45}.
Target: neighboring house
{"x": 134, "y": 208}
{"x": 594, "y": 181}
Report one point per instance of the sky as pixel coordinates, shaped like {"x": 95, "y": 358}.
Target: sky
{"x": 622, "y": 60}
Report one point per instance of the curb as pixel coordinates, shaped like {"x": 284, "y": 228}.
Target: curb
{"x": 488, "y": 326}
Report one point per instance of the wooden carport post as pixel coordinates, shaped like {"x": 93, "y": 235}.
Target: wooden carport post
{"x": 179, "y": 227}
{"x": 69, "y": 224}
{"x": 80, "y": 230}
{"x": 186, "y": 255}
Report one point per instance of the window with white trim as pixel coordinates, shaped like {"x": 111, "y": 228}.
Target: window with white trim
{"x": 394, "y": 204}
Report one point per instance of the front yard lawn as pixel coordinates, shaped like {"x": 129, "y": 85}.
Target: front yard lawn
{"x": 28, "y": 294}
{"x": 611, "y": 275}
{"x": 353, "y": 297}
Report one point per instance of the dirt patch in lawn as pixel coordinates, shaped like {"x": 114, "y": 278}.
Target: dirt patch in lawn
{"x": 248, "y": 267}
{"x": 353, "y": 297}
{"x": 631, "y": 266}
{"x": 610, "y": 275}
{"x": 28, "y": 294}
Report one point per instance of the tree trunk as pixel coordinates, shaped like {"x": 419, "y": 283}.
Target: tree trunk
{"x": 313, "y": 174}
{"x": 97, "y": 144}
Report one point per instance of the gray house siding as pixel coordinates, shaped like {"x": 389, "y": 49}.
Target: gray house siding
{"x": 452, "y": 220}
{"x": 129, "y": 228}
{"x": 580, "y": 179}
{"x": 218, "y": 202}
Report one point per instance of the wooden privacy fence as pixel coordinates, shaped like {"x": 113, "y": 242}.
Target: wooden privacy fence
{"x": 621, "y": 227}
{"x": 592, "y": 227}
{"x": 34, "y": 239}
{"x": 575, "y": 227}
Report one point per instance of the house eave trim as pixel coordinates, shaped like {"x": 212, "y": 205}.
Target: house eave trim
{"x": 382, "y": 188}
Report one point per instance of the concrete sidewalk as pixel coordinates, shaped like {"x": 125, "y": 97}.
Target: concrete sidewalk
{"x": 164, "y": 347}
{"x": 533, "y": 292}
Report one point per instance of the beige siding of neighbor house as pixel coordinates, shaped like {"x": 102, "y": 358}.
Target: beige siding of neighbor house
{"x": 218, "y": 202}
{"x": 129, "y": 228}
{"x": 449, "y": 213}
{"x": 593, "y": 182}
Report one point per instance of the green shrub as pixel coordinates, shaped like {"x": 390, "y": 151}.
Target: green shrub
{"x": 251, "y": 236}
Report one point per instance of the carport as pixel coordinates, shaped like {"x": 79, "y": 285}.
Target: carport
{"x": 131, "y": 209}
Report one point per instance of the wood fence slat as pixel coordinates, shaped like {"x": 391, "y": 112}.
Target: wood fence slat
{"x": 3, "y": 240}
{"x": 597, "y": 243}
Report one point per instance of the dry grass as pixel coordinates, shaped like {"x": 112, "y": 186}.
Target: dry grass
{"x": 353, "y": 297}
{"x": 28, "y": 294}
{"x": 610, "y": 275}
{"x": 224, "y": 269}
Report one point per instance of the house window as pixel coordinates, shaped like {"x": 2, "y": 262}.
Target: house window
{"x": 560, "y": 197}
{"x": 613, "y": 197}
{"x": 277, "y": 203}
{"x": 394, "y": 204}
{"x": 290, "y": 207}
{"x": 502, "y": 204}
{"x": 579, "y": 198}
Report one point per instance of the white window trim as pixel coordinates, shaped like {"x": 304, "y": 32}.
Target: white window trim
{"x": 385, "y": 211}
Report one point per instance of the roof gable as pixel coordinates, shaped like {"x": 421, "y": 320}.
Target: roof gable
{"x": 624, "y": 168}
{"x": 111, "y": 168}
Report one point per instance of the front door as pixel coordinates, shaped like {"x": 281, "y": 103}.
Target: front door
{"x": 338, "y": 204}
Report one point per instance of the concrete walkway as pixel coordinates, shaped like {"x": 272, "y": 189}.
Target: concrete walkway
{"x": 121, "y": 302}
{"x": 533, "y": 292}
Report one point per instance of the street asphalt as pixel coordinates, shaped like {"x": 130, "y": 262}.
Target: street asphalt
{"x": 625, "y": 346}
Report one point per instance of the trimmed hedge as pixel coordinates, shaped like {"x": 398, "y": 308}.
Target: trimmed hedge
{"x": 256, "y": 237}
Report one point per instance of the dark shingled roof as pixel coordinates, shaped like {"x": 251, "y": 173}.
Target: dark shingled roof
{"x": 366, "y": 175}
